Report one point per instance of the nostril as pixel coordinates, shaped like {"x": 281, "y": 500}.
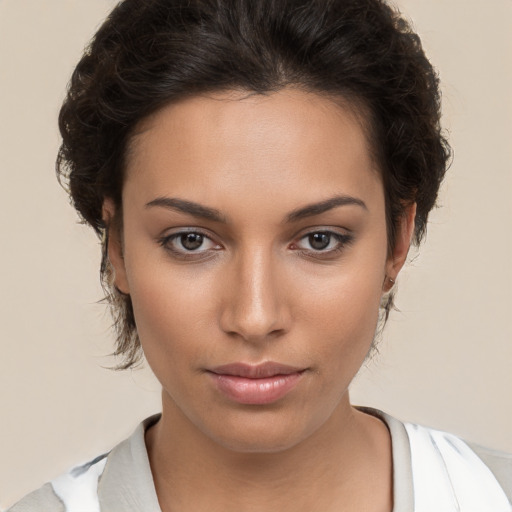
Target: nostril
{"x": 256, "y": 328}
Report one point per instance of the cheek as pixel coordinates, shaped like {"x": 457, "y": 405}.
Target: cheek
{"x": 348, "y": 312}
{"x": 171, "y": 307}
{"x": 342, "y": 312}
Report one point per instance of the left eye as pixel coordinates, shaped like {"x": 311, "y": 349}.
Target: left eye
{"x": 324, "y": 241}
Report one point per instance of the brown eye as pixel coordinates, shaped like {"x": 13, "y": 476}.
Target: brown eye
{"x": 319, "y": 241}
{"x": 323, "y": 244}
{"x": 189, "y": 245}
{"x": 191, "y": 241}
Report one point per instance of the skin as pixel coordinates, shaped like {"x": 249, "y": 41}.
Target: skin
{"x": 257, "y": 290}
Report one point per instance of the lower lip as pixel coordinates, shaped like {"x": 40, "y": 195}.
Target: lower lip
{"x": 256, "y": 391}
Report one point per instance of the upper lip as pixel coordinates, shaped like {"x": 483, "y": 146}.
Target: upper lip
{"x": 258, "y": 371}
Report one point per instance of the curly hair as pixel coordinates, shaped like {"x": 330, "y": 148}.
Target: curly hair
{"x": 149, "y": 53}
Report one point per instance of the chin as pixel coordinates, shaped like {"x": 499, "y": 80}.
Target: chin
{"x": 258, "y": 443}
{"x": 259, "y": 433}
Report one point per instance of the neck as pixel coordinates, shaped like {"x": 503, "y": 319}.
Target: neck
{"x": 346, "y": 461}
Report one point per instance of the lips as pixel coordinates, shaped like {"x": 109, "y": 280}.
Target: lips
{"x": 255, "y": 384}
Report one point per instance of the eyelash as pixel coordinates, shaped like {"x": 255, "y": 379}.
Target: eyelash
{"x": 165, "y": 242}
{"x": 343, "y": 240}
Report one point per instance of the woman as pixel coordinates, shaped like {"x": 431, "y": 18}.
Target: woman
{"x": 257, "y": 171}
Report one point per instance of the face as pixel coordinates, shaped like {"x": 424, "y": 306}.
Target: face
{"x": 254, "y": 250}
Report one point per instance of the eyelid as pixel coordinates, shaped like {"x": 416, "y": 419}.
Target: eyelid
{"x": 342, "y": 241}
{"x": 166, "y": 239}
{"x": 337, "y": 232}
{"x": 183, "y": 230}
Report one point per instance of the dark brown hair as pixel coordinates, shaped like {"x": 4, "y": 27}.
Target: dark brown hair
{"x": 149, "y": 53}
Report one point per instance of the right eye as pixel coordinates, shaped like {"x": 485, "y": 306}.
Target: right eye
{"x": 188, "y": 244}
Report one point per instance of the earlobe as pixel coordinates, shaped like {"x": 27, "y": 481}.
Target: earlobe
{"x": 403, "y": 241}
{"x": 114, "y": 247}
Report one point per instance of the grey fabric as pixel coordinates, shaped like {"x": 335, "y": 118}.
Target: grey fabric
{"x": 126, "y": 484}
{"x": 403, "y": 492}
{"x": 42, "y": 500}
{"x": 499, "y": 463}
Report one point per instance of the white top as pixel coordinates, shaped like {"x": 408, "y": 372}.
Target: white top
{"x": 432, "y": 471}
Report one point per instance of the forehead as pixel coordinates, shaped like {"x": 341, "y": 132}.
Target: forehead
{"x": 288, "y": 143}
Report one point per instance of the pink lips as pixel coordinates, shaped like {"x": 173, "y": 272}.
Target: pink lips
{"x": 255, "y": 384}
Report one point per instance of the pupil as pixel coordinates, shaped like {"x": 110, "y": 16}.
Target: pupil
{"x": 192, "y": 241}
{"x": 319, "y": 240}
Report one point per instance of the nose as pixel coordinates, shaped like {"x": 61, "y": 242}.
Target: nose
{"x": 255, "y": 306}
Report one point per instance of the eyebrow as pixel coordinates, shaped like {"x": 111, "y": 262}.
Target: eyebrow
{"x": 184, "y": 206}
{"x": 323, "y": 206}
{"x": 205, "y": 212}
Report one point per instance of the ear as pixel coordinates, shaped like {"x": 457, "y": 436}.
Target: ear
{"x": 403, "y": 239}
{"x": 115, "y": 246}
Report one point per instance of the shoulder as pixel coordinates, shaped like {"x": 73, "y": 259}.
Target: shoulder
{"x": 75, "y": 490}
{"x": 458, "y": 471}
{"x": 42, "y": 499}
{"x": 500, "y": 463}
{"x": 435, "y": 470}
{"x": 118, "y": 481}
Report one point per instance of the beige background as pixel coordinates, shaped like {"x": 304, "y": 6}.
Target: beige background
{"x": 446, "y": 356}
